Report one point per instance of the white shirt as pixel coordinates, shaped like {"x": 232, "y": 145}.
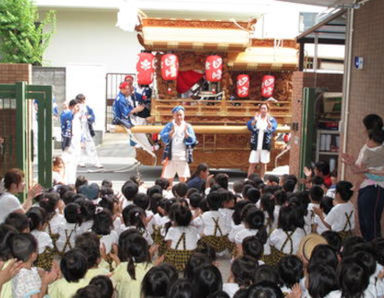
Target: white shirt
{"x": 209, "y": 224}
{"x": 191, "y": 237}
{"x": 26, "y": 283}
{"x": 144, "y": 233}
{"x": 261, "y": 125}
{"x": 320, "y": 226}
{"x": 8, "y": 204}
{"x": 69, "y": 230}
{"x": 234, "y": 230}
{"x": 244, "y": 233}
{"x": 178, "y": 146}
{"x": 309, "y": 219}
{"x": 337, "y": 217}
{"x": 43, "y": 240}
{"x": 55, "y": 223}
{"x": 231, "y": 288}
{"x": 278, "y": 237}
{"x": 109, "y": 240}
{"x": 227, "y": 214}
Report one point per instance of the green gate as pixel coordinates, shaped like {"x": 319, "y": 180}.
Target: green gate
{"x": 17, "y": 151}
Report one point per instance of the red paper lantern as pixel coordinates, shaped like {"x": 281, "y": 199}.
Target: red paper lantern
{"x": 242, "y": 85}
{"x": 267, "y": 86}
{"x": 145, "y": 68}
{"x": 169, "y": 67}
{"x": 213, "y": 68}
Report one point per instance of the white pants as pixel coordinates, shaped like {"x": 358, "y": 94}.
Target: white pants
{"x": 89, "y": 153}
{"x": 179, "y": 167}
{"x": 141, "y": 138}
{"x": 258, "y": 156}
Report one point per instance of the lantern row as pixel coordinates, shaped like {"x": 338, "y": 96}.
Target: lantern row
{"x": 145, "y": 68}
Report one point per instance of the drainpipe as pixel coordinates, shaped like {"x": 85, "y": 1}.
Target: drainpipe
{"x": 347, "y": 84}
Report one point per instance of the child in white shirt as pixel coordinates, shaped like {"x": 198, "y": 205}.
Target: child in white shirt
{"x": 181, "y": 237}
{"x": 341, "y": 218}
{"x": 316, "y": 193}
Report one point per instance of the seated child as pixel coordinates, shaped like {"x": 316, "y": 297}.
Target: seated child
{"x": 73, "y": 268}
{"x": 38, "y": 224}
{"x": 215, "y": 231}
{"x": 341, "y": 217}
{"x": 181, "y": 237}
{"x": 28, "y": 283}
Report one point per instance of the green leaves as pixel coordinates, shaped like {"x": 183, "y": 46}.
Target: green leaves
{"x": 23, "y": 36}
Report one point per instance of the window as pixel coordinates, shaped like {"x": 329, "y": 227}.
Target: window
{"x": 307, "y": 20}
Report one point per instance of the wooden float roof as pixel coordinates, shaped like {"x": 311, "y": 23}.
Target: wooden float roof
{"x": 196, "y": 35}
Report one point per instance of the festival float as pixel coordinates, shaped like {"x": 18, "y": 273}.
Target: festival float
{"x": 220, "y": 75}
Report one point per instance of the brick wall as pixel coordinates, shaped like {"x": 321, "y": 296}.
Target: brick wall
{"x": 9, "y": 74}
{"x": 366, "y": 93}
{"x": 332, "y": 82}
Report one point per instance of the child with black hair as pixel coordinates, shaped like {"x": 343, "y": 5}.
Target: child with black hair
{"x": 281, "y": 199}
{"x": 238, "y": 215}
{"x": 222, "y": 180}
{"x": 142, "y": 200}
{"x": 28, "y": 282}
{"x": 272, "y": 180}
{"x": 134, "y": 217}
{"x": 181, "y": 237}
{"x": 291, "y": 271}
{"x": 87, "y": 208}
{"x": 89, "y": 242}
{"x": 135, "y": 262}
{"x": 73, "y": 268}
{"x": 103, "y": 227}
{"x": 179, "y": 190}
{"x": 104, "y": 285}
{"x": 267, "y": 205}
{"x": 334, "y": 240}
{"x": 354, "y": 279}
{"x": 252, "y": 195}
{"x": 228, "y": 202}
{"x": 316, "y": 193}
{"x": 129, "y": 190}
{"x": 90, "y": 291}
{"x": 289, "y": 185}
{"x": 195, "y": 261}
{"x": 215, "y": 231}
{"x": 286, "y": 238}
{"x": 161, "y": 222}
{"x": 68, "y": 197}
{"x": 106, "y": 183}
{"x": 266, "y": 273}
{"x": 194, "y": 202}
{"x": 19, "y": 221}
{"x": 253, "y": 248}
{"x": 106, "y": 191}
{"x": 254, "y": 223}
{"x": 378, "y": 248}
{"x": 341, "y": 218}
{"x": 181, "y": 288}
{"x": 241, "y": 276}
{"x": 38, "y": 224}
{"x": 70, "y": 229}
{"x": 207, "y": 280}
{"x": 80, "y": 180}
{"x": 238, "y": 188}
{"x": 326, "y": 204}
{"x": 322, "y": 282}
{"x": 158, "y": 280}
{"x": 52, "y": 204}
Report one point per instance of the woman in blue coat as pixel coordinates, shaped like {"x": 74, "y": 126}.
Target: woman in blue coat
{"x": 262, "y": 126}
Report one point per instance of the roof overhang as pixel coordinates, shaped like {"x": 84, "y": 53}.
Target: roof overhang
{"x": 265, "y": 55}
{"x": 330, "y": 30}
{"x": 171, "y": 34}
{"x": 327, "y": 3}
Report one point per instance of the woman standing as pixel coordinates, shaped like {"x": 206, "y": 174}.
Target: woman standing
{"x": 370, "y": 199}
{"x": 262, "y": 126}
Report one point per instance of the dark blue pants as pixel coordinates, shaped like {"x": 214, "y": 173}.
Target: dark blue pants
{"x": 370, "y": 203}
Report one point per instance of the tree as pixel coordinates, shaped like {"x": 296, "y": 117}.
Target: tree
{"x": 23, "y": 38}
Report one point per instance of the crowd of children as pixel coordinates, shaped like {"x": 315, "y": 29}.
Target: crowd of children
{"x": 86, "y": 240}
